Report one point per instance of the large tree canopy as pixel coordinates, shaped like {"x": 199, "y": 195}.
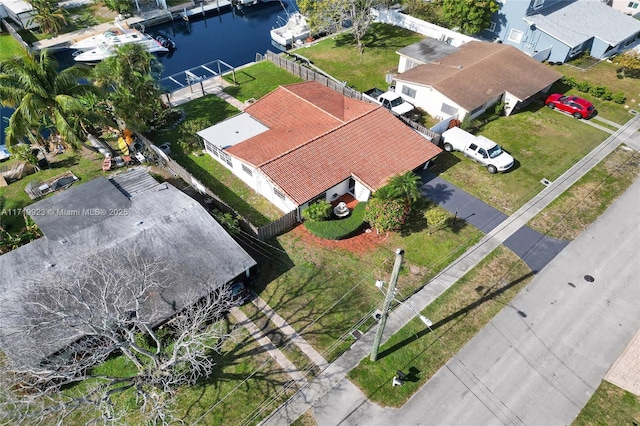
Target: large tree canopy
{"x": 329, "y": 15}
{"x": 132, "y": 91}
{"x": 470, "y": 16}
{"x": 44, "y": 97}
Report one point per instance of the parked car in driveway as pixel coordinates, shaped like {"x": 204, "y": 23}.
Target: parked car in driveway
{"x": 573, "y": 105}
{"x": 240, "y": 293}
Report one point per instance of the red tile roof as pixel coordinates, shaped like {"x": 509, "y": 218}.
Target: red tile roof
{"x": 295, "y": 114}
{"x": 318, "y": 138}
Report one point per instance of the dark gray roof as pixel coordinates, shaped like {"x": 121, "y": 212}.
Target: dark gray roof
{"x": 77, "y": 208}
{"x": 574, "y": 22}
{"x": 427, "y": 50}
{"x": 133, "y": 181}
{"x": 161, "y": 222}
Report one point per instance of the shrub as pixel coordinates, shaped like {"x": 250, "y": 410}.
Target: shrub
{"x": 435, "y": 216}
{"x": 569, "y": 81}
{"x": 607, "y": 95}
{"x": 583, "y": 86}
{"x": 618, "y": 98}
{"x": 598, "y": 91}
{"x": 386, "y": 215}
{"x": 318, "y": 211}
{"x": 341, "y": 228}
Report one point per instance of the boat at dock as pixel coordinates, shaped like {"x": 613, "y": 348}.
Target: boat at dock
{"x": 106, "y": 49}
{"x": 294, "y": 31}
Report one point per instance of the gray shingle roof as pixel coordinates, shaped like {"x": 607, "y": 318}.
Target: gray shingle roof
{"x": 161, "y": 222}
{"x": 574, "y": 22}
{"x": 427, "y": 50}
{"x": 478, "y": 72}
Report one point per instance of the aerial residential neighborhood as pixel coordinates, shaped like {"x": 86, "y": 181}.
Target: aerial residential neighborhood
{"x": 205, "y": 224}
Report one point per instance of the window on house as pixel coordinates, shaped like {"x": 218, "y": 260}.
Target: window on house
{"x": 448, "y": 109}
{"x": 515, "y": 36}
{"x": 278, "y": 193}
{"x": 409, "y": 92}
{"x": 537, "y": 4}
{"x": 211, "y": 148}
{"x": 492, "y": 27}
{"x": 633, "y": 5}
{"x": 225, "y": 157}
{"x": 247, "y": 170}
{"x": 476, "y": 110}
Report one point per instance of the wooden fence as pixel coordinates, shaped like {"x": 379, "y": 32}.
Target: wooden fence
{"x": 263, "y": 233}
{"x": 308, "y": 74}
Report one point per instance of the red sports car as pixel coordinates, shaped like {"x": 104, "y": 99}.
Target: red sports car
{"x": 578, "y": 107}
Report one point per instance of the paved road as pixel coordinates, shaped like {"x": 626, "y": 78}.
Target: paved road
{"x": 334, "y": 400}
{"x": 540, "y": 360}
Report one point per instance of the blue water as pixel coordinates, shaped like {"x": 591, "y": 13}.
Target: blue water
{"x": 232, "y": 36}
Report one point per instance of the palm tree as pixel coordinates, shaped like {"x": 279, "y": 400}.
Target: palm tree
{"x": 43, "y": 96}
{"x": 49, "y": 15}
{"x": 406, "y": 187}
{"x": 132, "y": 90}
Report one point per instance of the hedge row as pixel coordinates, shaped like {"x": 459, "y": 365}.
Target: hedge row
{"x": 599, "y": 91}
{"x": 338, "y": 229}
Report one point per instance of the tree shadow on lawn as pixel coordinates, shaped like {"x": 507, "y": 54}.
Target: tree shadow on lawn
{"x": 230, "y": 197}
{"x": 377, "y": 37}
{"x": 263, "y": 380}
{"x": 487, "y": 297}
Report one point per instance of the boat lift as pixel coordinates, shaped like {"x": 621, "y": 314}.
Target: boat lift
{"x": 199, "y": 74}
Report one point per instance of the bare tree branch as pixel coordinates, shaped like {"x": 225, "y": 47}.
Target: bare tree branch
{"x": 115, "y": 303}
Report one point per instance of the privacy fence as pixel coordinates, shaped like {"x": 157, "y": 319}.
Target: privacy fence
{"x": 301, "y": 67}
{"x": 263, "y": 233}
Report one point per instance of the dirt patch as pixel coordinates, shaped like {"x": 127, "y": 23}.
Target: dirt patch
{"x": 362, "y": 243}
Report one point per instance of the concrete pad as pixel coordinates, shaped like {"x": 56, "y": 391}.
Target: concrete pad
{"x": 625, "y": 372}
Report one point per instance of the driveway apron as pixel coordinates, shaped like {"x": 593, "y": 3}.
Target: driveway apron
{"x": 534, "y": 248}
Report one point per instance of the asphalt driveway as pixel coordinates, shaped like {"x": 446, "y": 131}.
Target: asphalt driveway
{"x": 534, "y": 248}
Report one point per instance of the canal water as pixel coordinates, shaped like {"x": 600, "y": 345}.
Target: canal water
{"x": 232, "y": 36}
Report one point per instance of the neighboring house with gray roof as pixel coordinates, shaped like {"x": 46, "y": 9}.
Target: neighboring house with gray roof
{"x": 425, "y": 51}
{"x": 559, "y": 30}
{"x": 474, "y": 77}
{"x": 106, "y": 215}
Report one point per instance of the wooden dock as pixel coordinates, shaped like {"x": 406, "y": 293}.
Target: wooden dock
{"x": 142, "y": 20}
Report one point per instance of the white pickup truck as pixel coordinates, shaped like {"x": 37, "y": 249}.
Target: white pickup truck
{"x": 478, "y": 148}
{"x": 390, "y": 100}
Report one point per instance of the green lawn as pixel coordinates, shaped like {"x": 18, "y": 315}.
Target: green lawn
{"x": 574, "y": 210}
{"x": 84, "y": 164}
{"x": 211, "y": 173}
{"x": 9, "y": 47}
{"x": 324, "y": 290}
{"x": 457, "y": 316}
{"x": 257, "y": 80}
{"x": 544, "y": 144}
{"x": 604, "y": 73}
{"x": 244, "y": 378}
{"x": 339, "y": 57}
{"x": 610, "y": 405}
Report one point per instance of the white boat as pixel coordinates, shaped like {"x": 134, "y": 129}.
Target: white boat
{"x": 294, "y": 31}
{"x": 116, "y": 35}
{"x": 107, "y": 49}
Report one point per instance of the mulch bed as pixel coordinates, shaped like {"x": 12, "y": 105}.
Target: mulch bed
{"x": 361, "y": 243}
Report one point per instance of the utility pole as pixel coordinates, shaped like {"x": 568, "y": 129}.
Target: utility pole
{"x": 387, "y": 303}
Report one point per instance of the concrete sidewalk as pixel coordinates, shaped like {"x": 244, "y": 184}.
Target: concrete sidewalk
{"x": 335, "y": 373}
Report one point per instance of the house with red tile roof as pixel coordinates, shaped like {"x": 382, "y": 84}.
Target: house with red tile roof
{"x": 306, "y": 142}
{"x": 471, "y": 78}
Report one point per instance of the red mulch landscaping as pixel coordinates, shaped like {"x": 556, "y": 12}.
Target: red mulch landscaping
{"x": 362, "y": 243}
